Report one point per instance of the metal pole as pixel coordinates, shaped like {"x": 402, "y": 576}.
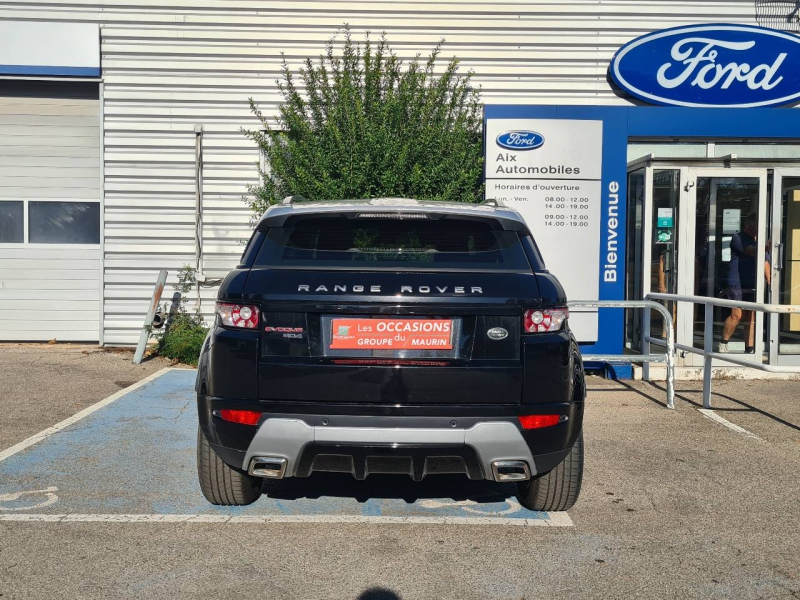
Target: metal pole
{"x": 148, "y": 320}
{"x": 646, "y": 343}
{"x": 708, "y": 348}
{"x": 670, "y": 364}
{"x": 198, "y": 209}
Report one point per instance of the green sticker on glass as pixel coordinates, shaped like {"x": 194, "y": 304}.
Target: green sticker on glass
{"x": 664, "y": 236}
{"x": 665, "y": 218}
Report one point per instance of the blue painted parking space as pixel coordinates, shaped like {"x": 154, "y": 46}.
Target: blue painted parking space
{"x": 136, "y": 456}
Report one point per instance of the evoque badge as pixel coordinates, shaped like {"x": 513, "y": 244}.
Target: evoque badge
{"x": 497, "y": 333}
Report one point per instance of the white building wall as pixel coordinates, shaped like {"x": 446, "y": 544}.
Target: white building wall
{"x": 183, "y": 62}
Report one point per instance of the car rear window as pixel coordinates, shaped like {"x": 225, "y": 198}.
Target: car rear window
{"x": 399, "y": 244}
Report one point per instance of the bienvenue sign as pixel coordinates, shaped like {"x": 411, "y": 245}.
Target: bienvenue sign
{"x": 719, "y": 65}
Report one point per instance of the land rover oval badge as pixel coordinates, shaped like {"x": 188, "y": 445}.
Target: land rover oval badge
{"x": 497, "y": 333}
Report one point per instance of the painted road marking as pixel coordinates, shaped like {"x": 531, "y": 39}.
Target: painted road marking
{"x": 710, "y": 414}
{"x": 49, "y": 498}
{"x": 38, "y": 437}
{"x": 559, "y": 519}
{"x": 132, "y": 459}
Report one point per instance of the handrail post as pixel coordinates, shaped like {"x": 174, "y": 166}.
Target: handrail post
{"x": 670, "y": 363}
{"x": 708, "y": 348}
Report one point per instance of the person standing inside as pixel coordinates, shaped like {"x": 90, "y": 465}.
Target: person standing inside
{"x": 742, "y": 283}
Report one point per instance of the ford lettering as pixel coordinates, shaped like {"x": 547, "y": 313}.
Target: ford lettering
{"x": 520, "y": 140}
{"x": 711, "y": 66}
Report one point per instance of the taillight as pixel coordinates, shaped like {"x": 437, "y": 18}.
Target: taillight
{"x": 238, "y": 315}
{"x": 244, "y": 417}
{"x": 540, "y": 320}
{"x": 539, "y": 421}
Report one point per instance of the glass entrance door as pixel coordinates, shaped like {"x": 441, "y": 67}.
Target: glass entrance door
{"x": 785, "y": 266}
{"x": 728, "y": 232}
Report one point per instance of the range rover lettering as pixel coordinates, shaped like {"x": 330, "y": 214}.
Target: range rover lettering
{"x": 391, "y": 336}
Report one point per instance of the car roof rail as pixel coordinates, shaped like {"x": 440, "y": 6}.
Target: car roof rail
{"x": 494, "y": 202}
{"x": 292, "y": 199}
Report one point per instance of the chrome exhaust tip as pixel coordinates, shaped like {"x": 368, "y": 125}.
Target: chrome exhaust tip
{"x": 272, "y": 467}
{"x": 511, "y": 470}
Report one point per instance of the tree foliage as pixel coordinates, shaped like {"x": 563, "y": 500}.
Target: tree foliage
{"x": 359, "y": 123}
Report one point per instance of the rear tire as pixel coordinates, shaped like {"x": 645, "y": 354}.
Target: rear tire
{"x": 558, "y": 489}
{"x": 221, "y": 484}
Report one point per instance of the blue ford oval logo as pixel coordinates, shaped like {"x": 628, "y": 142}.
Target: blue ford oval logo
{"x": 711, "y": 65}
{"x": 520, "y": 140}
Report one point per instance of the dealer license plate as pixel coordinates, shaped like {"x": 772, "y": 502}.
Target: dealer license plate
{"x": 391, "y": 334}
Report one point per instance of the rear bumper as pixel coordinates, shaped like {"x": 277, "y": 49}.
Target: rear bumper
{"x": 362, "y": 450}
{"x": 470, "y": 442}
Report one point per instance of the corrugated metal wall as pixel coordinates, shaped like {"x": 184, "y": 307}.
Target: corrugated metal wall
{"x": 174, "y": 64}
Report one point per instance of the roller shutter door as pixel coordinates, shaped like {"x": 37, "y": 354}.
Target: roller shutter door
{"x": 50, "y": 211}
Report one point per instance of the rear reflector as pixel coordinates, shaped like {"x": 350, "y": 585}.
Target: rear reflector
{"x": 245, "y": 417}
{"x": 539, "y": 421}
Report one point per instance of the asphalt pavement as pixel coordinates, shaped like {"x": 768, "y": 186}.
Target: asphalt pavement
{"x": 676, "y": 504}
{"x": 42, "y": 384}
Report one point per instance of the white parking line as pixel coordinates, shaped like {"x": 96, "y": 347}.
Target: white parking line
{"x": 710, "y": 414}
{"x": 38, "y": 437}
{"x": 554, "y": 519}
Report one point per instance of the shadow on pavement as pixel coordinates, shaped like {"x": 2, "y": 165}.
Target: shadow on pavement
{"x": 679, "y": 394}
{"x": 638, "y": 391}
{"x": 378, "y": 594}
{"x": 455, "y": 487}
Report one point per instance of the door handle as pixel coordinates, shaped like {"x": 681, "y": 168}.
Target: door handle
{"x": 777, "y": 259}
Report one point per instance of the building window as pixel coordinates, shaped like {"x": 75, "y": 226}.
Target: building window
{"x": 64, "y": 222}
{"x": 12, "y": 228}
{"x": 49, "y": 222}
{"x": 638, "y": 150}
{"x": 779, "y": 151}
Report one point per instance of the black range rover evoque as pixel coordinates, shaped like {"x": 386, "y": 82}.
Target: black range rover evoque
{"x": 391, "y": 336}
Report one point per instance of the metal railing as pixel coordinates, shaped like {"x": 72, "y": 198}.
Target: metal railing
{"x": 645, "y": 357}
{"x": 708, "y": 335}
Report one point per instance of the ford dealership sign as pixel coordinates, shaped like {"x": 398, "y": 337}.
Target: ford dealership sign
{"x": 520, "y": 140}
{"x": 711, "y": 65}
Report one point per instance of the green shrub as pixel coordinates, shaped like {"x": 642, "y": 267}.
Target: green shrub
{"x": 362, "y": 125}
{"x": 184, "y": 334}
{"x": 183, "y": 339}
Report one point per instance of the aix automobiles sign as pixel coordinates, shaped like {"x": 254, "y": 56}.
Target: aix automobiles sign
{"x": 720, "y": 65}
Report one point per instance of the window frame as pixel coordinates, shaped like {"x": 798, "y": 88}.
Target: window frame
{"x": 26, "y": 225}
